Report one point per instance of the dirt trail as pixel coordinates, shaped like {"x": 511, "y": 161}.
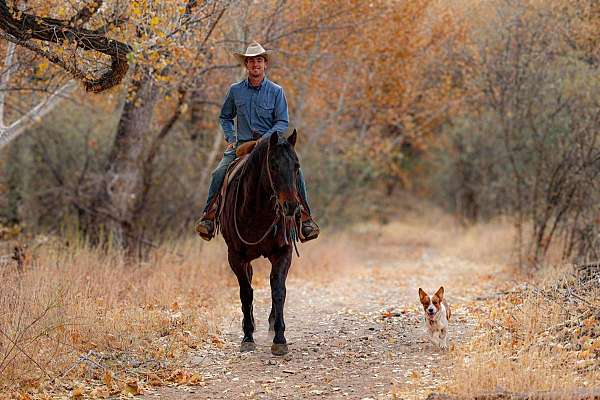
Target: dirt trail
{"x": 355, "y": 336}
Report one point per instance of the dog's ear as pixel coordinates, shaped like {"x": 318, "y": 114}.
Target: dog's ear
{"x": 423, "y": 296}
{"x": 440, "y": 293}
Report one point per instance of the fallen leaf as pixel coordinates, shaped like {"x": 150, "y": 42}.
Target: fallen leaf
{"x": 195, "y": 379}
{"x": 154, "y": 380}
{"x": 107, "y": 378}
{"x": 217, "y": 341}
{"x": 77, "y": 393}
{"x": 590, "y": 322}
{"x": 132, "y": 387}
{"x": 100, "y": 392}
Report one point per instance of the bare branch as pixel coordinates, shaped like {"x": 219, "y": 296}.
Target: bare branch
{"x": 11, "y": 132}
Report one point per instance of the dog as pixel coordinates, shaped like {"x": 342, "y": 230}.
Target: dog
{"x": 437, "y": 315}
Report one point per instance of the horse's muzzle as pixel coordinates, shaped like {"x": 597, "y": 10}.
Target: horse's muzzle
{"x": 288, "y": 201}
{"x": 290, "y": 208}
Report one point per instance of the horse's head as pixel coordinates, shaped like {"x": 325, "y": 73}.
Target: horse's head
{"x": 283, "y": 169}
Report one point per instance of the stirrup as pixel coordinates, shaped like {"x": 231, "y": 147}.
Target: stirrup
{"x": 205, "y": 228}
{"x": 310, "y": 225}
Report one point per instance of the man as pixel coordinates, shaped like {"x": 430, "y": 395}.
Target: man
{"x": 261, "y": 109}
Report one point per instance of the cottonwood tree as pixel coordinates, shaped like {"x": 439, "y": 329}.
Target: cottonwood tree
{"x": 165, "y": 45}
{"x": 528, "y": 143}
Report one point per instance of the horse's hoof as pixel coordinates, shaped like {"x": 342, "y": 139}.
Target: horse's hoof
{"x": 279, "y": 349}
{"x": 247, "y": 346}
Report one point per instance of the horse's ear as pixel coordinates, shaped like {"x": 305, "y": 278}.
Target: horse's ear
{"x": 292, "y": 139}
{"x": 273, "y": 139}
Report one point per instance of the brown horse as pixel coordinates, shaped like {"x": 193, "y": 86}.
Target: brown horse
{"x": 259, "y": 219}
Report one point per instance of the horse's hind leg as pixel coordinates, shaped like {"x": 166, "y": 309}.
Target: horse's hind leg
{"x": 243, "y": 272}
{"x": 279, "y": 270}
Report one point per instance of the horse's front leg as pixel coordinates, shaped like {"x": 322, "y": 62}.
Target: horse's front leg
{"x": 243, "y": 272}
{"x": 280, "y": 265}
{"x": 272, "y": 319}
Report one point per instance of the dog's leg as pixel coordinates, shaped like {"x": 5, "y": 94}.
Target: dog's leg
{"x": 444, "y": 339}
{"x": 433, "y": 337}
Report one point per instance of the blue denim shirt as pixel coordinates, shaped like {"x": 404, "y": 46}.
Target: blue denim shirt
{"x": 262, "y": 109}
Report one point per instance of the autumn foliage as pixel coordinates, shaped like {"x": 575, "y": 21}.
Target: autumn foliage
{"x": 388, "y": 96}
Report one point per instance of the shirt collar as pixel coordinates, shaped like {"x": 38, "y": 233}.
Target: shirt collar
{"x": 256, "y": 87}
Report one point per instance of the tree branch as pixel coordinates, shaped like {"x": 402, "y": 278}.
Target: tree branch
{"x": 12, "y": 131}
{"x": 24, "y": 27}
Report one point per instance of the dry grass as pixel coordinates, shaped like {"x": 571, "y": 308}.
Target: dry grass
{"x": 76, "y": 301}
{"x": 77, "y": 312}
{"x": 543, "y": 336}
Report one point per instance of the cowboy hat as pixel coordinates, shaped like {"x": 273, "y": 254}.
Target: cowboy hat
{"x": 255, "y": 49}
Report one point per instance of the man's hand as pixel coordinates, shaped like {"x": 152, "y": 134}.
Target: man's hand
{"x": 230, "y": 146}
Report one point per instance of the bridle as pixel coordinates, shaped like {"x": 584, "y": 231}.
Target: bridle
{"x": 278, "y": 211}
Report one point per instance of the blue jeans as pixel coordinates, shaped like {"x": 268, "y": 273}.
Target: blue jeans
{"x": 218, "y": 176}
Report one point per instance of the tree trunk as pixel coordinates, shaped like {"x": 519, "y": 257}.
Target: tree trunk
{"x": 117, "y": 199}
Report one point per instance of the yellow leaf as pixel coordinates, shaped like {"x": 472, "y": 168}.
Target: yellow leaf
{"x": 41, "y": 68}
{"x": 154, "y": 21}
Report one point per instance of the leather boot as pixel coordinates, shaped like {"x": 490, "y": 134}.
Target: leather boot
{"x": 309, "y": 229}
{"x": 205, "y": 226}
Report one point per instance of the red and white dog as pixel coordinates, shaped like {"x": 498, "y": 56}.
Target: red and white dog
{"x": 437, "y": 314}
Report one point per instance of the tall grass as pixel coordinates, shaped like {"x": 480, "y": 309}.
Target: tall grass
{"x": 73, "y": 299}
{"x": 75, "y": 304}
{"x": 544, "y": 336}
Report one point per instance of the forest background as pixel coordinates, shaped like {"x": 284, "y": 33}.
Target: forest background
{"x": 478, "y": 119}
{"x": 484, "y": 109}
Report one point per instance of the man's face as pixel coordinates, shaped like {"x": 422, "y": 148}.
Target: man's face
{"x": 256, "y": 66}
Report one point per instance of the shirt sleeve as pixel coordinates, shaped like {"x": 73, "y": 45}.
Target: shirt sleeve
{"x": 228, "y": 113}
{"x": 281, "y": 114}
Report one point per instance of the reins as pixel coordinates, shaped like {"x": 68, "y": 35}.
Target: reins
{"x": 278, "y": 211}
{"x": 277, "y": 207}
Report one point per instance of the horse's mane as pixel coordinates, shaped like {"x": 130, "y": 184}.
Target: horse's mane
{"x": 258, "y": 153}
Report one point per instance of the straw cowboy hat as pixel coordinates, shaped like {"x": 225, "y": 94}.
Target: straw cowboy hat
{"x": 255, "y": 49}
